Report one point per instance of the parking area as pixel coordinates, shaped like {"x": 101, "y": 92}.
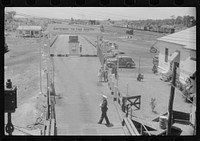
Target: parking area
{"x": 151, "y": 87}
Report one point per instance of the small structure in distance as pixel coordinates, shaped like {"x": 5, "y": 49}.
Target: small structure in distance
{"x": 29, "y": 31}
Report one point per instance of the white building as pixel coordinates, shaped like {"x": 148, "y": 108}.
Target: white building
{"x": 179, "y": 46}
{"x": 29, "y": 31}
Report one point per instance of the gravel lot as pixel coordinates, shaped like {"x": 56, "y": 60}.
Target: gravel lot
{"x": 151, "y": 86}
{"x": 22, "y": 67}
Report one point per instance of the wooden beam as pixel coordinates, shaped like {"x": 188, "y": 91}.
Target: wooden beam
{"x": 171, "y": 99}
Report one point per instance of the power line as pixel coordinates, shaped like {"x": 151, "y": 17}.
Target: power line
{"x": 180, "y": 92}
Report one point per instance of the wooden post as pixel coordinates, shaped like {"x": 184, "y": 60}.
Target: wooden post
{"x": 47, "y": 98}
{"x": 140, "y": 129}
{"x": 39, "y": 41}
{"x": 117, "y": 70}
{"x": 53, "y": 70}
{"x": 139, "y": 65}
{"x": 171, "y": 99}
{"x": 97, "y": 46}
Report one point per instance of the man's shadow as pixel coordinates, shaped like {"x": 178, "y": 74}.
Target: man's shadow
{"x": 109, "y": 125}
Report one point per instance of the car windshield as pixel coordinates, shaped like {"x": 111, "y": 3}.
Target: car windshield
{"x": 128, "y": 59}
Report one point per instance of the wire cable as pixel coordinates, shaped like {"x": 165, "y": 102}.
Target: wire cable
{"x": 180, "y": 92}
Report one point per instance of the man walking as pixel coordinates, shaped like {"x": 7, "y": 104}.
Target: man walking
{"x": 80, "y": 48}
{"x": 104, "y": 109}
{"x": 106, "y": 73}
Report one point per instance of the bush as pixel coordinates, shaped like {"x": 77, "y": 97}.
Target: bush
{"x": 5, "y": 48}
{"x": 153, "y": 105}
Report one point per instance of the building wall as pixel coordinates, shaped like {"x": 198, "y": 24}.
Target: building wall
{"x": 74, "y": 49}
{"x": 161, "y": 45}
{"x": 184, "y": 55}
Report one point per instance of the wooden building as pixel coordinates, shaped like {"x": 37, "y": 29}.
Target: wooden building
{"x": 182, "y": 47}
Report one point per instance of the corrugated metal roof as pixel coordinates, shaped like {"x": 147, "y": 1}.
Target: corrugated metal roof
{"x": 29, "y": 28}
{"x": 186, "y": 37}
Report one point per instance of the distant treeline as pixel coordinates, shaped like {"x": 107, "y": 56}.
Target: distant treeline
{"x": 187, "y": 21}
{"x": 162, "y": 26}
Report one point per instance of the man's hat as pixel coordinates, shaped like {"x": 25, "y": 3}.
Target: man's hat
{"x": 104, "y": 96}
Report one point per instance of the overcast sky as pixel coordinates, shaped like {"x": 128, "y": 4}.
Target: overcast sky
{"x": 103, "y": 13}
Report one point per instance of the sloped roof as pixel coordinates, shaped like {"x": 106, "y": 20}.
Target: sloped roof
{"x": 186, "y": 37}
{"x": 29, "y": 28}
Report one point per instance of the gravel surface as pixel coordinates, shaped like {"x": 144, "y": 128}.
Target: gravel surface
{"x": 22, "y": 67}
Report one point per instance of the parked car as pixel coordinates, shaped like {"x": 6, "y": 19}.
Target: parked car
{"x": 116, "y": 52}
{"x": 124, "y": 62}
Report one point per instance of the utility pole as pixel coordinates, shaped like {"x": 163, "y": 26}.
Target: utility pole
{"x": 40, "y": 53}
{"x": 139, "y": 64}
{"x": 117, "y": 69}
{"x": 171, "y": 99}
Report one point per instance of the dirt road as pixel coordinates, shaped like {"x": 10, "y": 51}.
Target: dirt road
{"x": 78, "y": 92}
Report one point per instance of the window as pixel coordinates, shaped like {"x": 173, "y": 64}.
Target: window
{"x": 166, "y": 54}
{"x": 36, "y": 32}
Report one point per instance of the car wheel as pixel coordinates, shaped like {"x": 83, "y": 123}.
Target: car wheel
{"x": 128, "y": 65}
{"x": 153, "y": 50}
{"x": 109, "y": 65}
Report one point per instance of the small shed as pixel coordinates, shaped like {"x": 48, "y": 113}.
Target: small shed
{"x": 29, "y": 31}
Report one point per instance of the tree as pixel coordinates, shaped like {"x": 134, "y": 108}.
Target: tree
{"x": 186, "y": 20}
{"x": 10, "y": 16}
{"x": 192, "y": 21}
{"x": 179, "y": 20}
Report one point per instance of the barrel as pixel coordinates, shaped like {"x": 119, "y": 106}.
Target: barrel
{"x": 163, "y": 122}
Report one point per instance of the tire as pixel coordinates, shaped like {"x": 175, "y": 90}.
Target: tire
{"x": 109, "y": 65}
{"x": 153, "y": 50}
{"x": 128, "y": 65}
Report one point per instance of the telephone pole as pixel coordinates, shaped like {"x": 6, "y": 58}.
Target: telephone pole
{"x": 171, "y": 99}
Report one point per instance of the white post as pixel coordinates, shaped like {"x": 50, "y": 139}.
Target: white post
{"x": 127, "y": 90}
{"x": 139, "y": 64}
{"x": 117, "y": 69}
{"x": 40, "y": 65}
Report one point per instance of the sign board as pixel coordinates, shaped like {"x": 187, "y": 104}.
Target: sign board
{"x": 70, "y": 29}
